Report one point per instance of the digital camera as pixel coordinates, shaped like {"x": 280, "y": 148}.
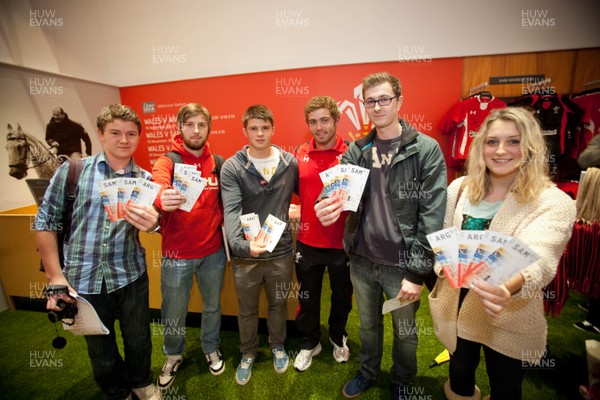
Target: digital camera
{"x": 67, "y": 310}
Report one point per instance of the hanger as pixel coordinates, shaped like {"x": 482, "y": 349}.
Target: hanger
{"x": 485, "y": 94}
{"x": 589, "y": 91}
{"x": 592, "y": 83}
{"x": 476, "y": 90}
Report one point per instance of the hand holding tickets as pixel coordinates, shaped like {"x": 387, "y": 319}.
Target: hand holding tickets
{"x": 347, "y": 180}
{"x": 268, "y": 234}
{"x": 117, "y": 193}
{"x": 469, "y": 255}
{"x": 187, "y": 179}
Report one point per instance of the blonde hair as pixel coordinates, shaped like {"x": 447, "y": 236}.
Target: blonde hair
{"x": 532, "y": 177}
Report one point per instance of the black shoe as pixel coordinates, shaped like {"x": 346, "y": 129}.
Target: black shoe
{"x": 586, "y": 326}
{"x": 584, "y": 306}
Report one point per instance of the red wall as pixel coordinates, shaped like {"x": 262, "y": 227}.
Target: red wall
{"x": 429, "y": 90}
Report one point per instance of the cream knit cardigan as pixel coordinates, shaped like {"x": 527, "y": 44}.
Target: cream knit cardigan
{"x": 520, "y": 330}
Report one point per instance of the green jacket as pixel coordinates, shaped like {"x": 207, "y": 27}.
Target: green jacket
{"x": 418, "y": 185}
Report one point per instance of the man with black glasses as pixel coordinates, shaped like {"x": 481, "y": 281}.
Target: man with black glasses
{"x": 404, "y": 199}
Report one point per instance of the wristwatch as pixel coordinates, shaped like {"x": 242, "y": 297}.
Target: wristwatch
{"x": 157, "y": 229}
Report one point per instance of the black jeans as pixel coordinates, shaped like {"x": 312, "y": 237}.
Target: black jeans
{"x": 310, "y": 267}
{"x": 116, "y": 375}
{"x": 505, "y": 373}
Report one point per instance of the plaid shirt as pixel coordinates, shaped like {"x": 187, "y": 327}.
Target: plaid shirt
{"x": 98, "y": 250}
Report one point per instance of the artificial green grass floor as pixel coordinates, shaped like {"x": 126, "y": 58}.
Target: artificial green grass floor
{"x": 33, "y": 369}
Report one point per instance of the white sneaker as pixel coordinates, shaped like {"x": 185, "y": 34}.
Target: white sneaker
{"x": 150, "y": 392}
{"x": 167, "y": 376}
{"x": 304, "y": 358}
{"x": 341, "y": 354}
{"x": 216, "y": 363}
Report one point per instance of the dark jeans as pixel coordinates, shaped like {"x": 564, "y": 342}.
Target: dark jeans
{"x": 310, "y": 267}
{"x": 505, "y": 373}
{"x": 371, "y": 282}
{"x": 249, "y": 276}
{"x": 117, "y": 375}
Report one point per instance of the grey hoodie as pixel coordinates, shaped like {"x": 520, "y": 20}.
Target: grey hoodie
{"x": 244, "y": 191}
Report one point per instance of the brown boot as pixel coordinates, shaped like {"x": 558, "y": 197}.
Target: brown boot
{"x": 450, "y": 395}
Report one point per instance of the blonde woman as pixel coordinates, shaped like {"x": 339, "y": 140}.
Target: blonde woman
{"x": 506, "y": 190}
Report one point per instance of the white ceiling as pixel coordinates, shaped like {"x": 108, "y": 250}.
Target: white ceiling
{"x": 125, "y": 43}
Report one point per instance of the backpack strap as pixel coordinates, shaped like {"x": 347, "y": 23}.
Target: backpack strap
{"x": 174, "y": 157}
{"x": 75, "y": 167}
{"x": 62, "y": 236}
{"x": 219, "y": 160}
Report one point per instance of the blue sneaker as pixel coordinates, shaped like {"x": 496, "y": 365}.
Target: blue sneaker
{"x": 280, "y": 360}
{"x": 244, "y": 371}
{"x": 356, "y": 386}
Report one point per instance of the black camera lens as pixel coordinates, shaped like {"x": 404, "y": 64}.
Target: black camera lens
{"x": 68, "y": 311}
{"x": 53, "y": 316}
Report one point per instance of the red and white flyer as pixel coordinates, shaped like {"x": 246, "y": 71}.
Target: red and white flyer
{"x": 490, "y": 242}
{"x": 144, "y": 193}
{"x": 125, "y": 187}
{"x": 109, "y": 195}
{"x": 271, "y": 232}
{"x": 444, "y": 244}
{"x": 467, "y": 245}
{"x": 506, "y": 262}
{"x": 250, "y": 225}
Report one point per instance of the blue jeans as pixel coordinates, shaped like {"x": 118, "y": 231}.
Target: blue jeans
{"x": 117, "y": 375}
{"x": 177, "y": 276}
{"x": 371, "y": 281}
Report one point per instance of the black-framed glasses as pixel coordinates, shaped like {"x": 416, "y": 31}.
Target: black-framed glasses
{"x": 190, "y": 126}
{"x": 382, "y": 101}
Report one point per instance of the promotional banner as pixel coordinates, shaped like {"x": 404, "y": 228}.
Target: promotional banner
{"x": 429, "y": 88}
